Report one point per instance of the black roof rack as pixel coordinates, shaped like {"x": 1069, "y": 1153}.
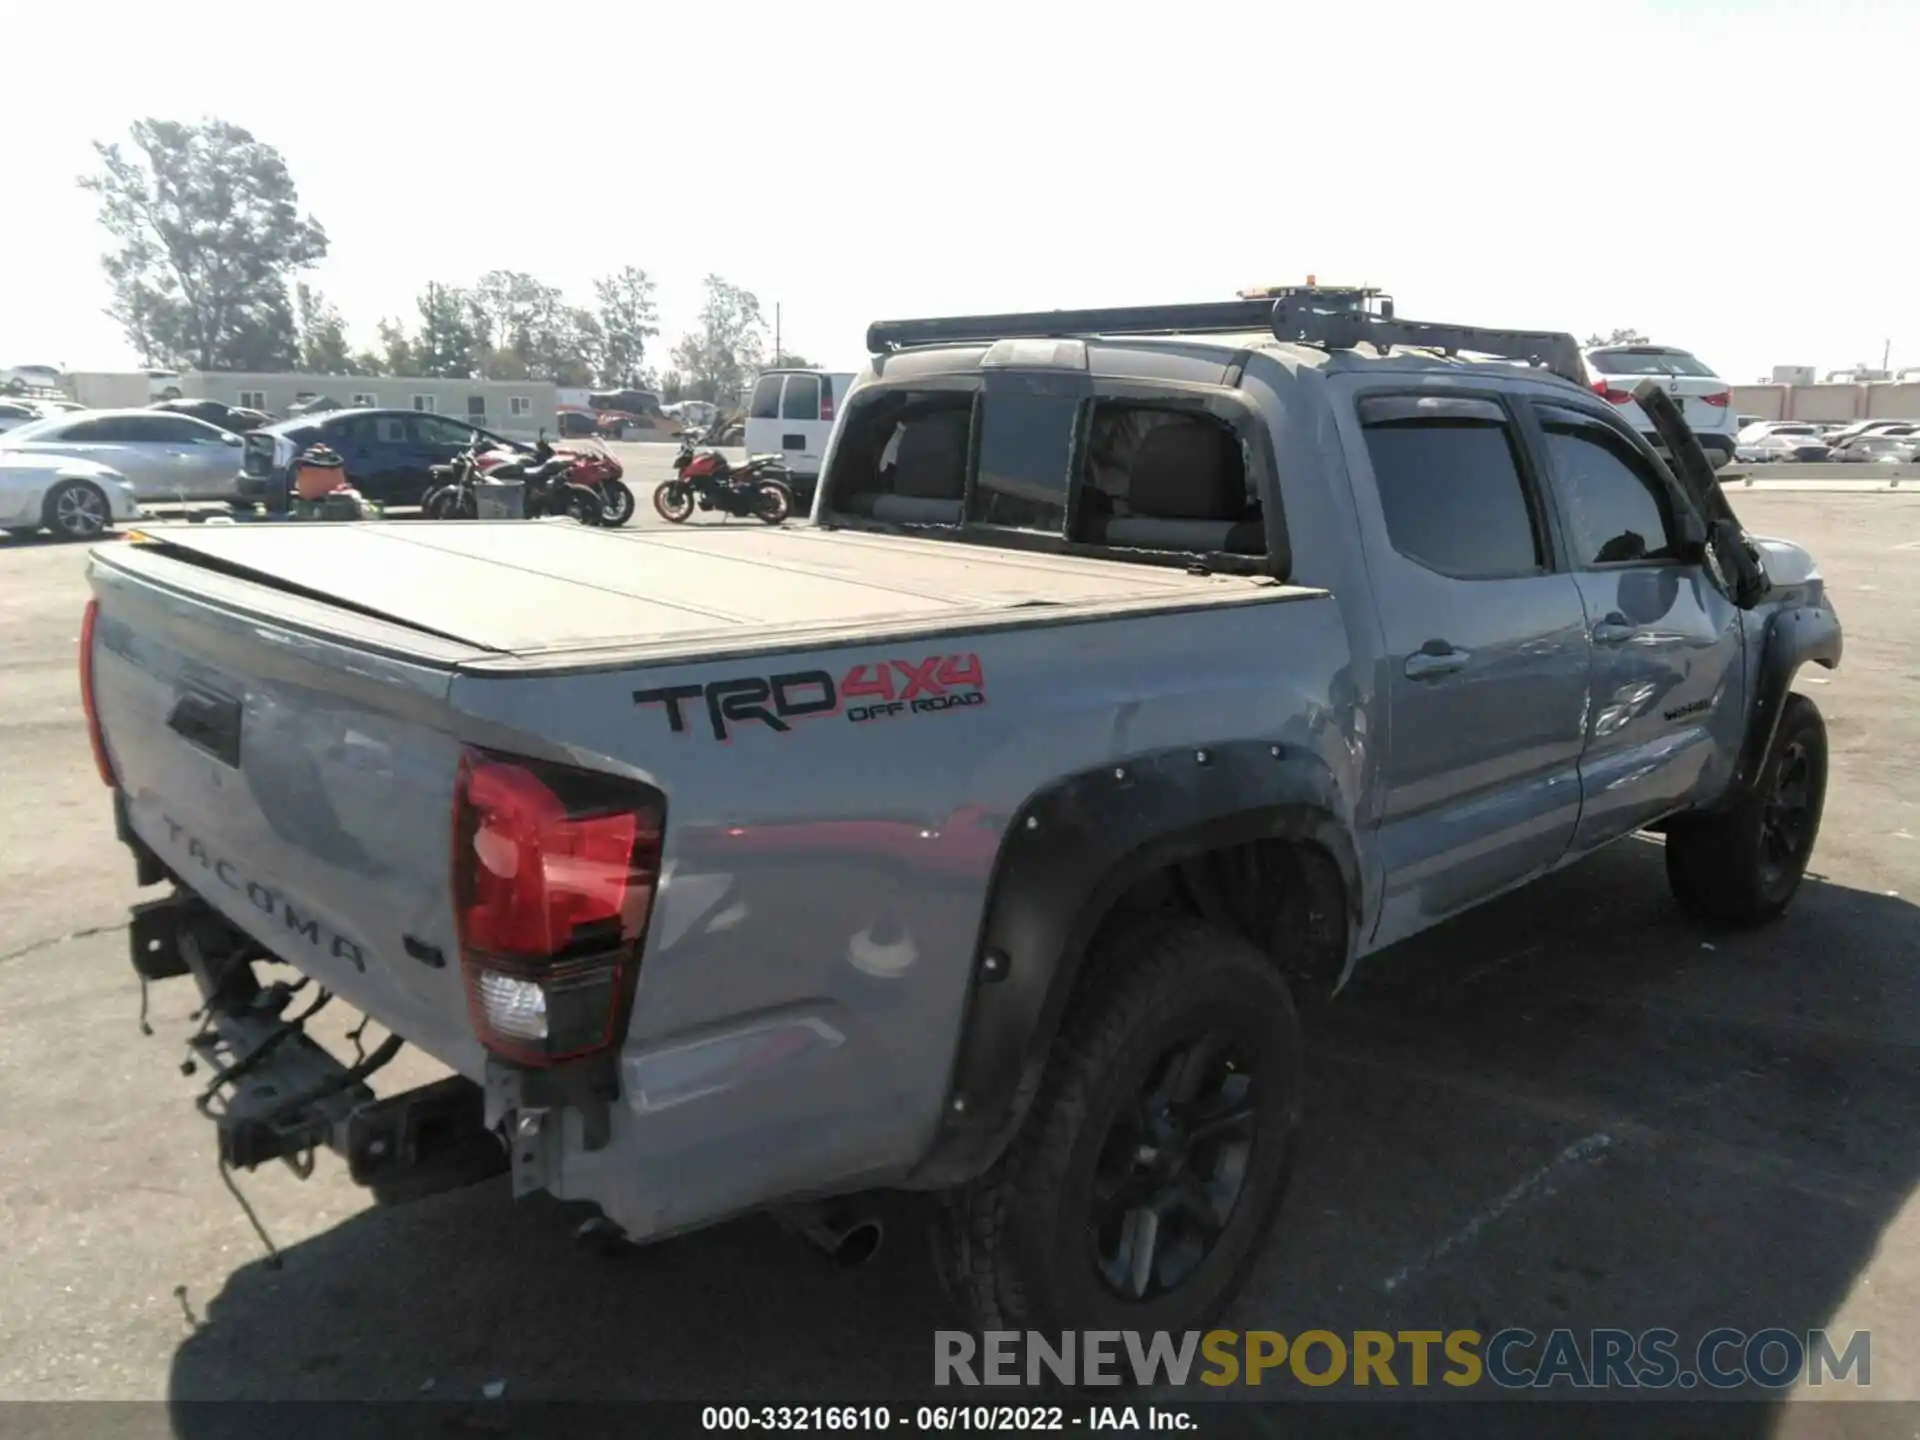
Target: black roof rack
{"x": 1336, "y": 318}
{"x": 1298, "y": 318}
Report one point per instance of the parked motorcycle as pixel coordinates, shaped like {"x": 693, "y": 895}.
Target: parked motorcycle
{"x": 704, "y": 479}
{"x": 545, "y": 476}
{"x": 596, "y": 469}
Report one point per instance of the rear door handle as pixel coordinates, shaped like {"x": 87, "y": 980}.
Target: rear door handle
{"x": 212, "y": 722}
{"x": 1616, "y": 629}
{"x": 1434, "y": 659}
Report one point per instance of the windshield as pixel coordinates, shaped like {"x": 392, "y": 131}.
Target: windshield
{"x": 1647, "y": 362}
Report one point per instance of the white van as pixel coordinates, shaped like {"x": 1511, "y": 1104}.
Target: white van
{"x": 791, "y": 416}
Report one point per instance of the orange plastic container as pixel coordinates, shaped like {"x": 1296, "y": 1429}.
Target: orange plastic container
{"x": 318, "y": 473}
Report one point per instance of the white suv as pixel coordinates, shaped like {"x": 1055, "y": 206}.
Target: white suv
{"x": 1703, "y": 397}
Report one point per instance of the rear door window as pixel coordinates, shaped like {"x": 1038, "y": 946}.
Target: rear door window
{"x": 91, "y": 432}
{"x": 802, "y": 398}
{"x": 1451, "y": 489}
{"x": 766, "y": 399}
{"x": 175, "y": 430}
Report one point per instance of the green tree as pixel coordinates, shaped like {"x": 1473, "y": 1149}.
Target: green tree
{"x": 1618, "y": 337}
{"x": 448, "y": 342}
{"x": 720, "y": 357}
{"x": 673, "y": 388}
{"x": 792, "y": 361}
{"x": 514, "y": 311}
{"x": 628, "y": 319}
{"x": 207, "y": 232}
{"x": 397, "y": 358}
{"x": 323, "y": 348}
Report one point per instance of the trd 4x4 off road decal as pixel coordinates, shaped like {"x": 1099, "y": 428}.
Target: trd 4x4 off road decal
{"x": 883, "y": 690}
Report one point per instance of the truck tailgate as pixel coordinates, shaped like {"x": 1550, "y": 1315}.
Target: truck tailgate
{"x": 303, "y": 785}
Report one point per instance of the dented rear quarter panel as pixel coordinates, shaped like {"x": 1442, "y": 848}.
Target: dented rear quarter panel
{"x": 806, "y": 970}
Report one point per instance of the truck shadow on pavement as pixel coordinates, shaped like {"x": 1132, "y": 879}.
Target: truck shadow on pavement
{"x": 1573, "y": 1108}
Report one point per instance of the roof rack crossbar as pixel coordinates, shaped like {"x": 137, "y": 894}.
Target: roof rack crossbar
{"x": 1336, "y": 318}
{"x": 1213, "y": 317}
{"x": 1296, "y": 320}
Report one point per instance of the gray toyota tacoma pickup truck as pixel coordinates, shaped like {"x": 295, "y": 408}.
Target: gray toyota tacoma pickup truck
{"x": 1138, "y": 671}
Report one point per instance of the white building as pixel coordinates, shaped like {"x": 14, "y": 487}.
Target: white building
{"x": 516, "y": 408}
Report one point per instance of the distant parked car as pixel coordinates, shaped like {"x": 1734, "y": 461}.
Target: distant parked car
{"x": 1777, "y": 446}
{"x": 15, "y": 413}
{"x": 387, "y": 453}
{"x": 1894, "y": 449}
{"x": 234, "y": 419}
{"x": 1705, "y": 400}
{"x": 167, "y": 457}
{"x": 163, "y": 384}
{"x": 574, "y": 423}
{"x": 1754, "y": 430}
{"x": 21, "y": 378}
{"x": 1873, "y": 427}
{"x": 76, "y": 499}
{"x": 629, "y": 402}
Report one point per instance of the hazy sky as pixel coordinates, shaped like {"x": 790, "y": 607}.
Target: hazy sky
{"x": 1739, "y": 178}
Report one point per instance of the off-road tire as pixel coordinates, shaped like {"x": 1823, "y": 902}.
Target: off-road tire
{"x": 1016, "y": 1247}
{"x": 77, "y": 510}
{"x": 1728, "y": 869}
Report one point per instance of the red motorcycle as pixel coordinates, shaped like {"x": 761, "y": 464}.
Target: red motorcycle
{"x": 705, "y": 479}
{"x": 590, "y": 467}
{"x": 545, "y": 474}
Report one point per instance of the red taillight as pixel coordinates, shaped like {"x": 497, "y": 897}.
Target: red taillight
{"x": 826, "y": 399}
{"x": 1722, "y": 400}
{"x": 554, "y": 871}
{"x": 1612, "y": 396}
{"x": 94, "y": 733}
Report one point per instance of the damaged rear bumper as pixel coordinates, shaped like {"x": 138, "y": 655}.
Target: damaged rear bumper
{"x": 273, "y": 1092}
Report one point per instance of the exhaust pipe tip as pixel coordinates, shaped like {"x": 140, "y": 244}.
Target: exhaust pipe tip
{"x": 859, "y": 1244}
{"x": 848, "y": 1239}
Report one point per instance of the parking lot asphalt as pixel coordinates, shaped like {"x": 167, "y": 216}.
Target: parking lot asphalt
{"x": 1569, "y": 1108}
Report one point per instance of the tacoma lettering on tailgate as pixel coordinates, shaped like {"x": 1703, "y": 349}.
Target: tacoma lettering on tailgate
{"x": 885, "y": 689}
{"x": 267, "y": 901}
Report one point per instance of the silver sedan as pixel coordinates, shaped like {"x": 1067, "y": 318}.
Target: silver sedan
{"x": 166, "y": 457}
{"x": 76, "y": 499}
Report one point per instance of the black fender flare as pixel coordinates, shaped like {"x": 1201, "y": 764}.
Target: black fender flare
{"x": 1069, "y": 852}
{"x": 1794, "y": 637}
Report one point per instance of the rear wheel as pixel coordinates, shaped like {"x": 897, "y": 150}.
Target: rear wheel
{"x": 674, "y": 500}
{"x": 1743, "y": 866}
{"x": 449, "y": 502}
{"x": 1152, "y": 1163}
{"x": 579, "y": 504}
{"x": 773, "y": 502}
{"x": 77, "y": 510}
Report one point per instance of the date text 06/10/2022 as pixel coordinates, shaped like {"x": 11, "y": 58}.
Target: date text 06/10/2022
{"x": 940, "y": 1419}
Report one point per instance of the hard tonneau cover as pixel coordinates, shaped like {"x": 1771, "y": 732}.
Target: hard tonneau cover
{"x": 544, "y": 591}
